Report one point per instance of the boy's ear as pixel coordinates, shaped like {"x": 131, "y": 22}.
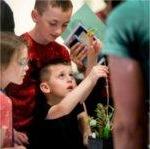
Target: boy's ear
{"x": 35, "y": 16}
{"x": 45, "y": 87}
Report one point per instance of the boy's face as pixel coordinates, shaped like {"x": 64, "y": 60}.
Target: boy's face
{"x": 52, "y": 23}
{"x": 61, "y": 80}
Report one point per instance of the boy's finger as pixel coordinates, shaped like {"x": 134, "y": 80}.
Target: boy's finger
{"x": 76, "y": 50}
{"x": 82, "y": 55}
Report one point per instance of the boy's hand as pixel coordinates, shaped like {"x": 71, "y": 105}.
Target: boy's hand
{"x": 18, "y": 147}
{"x": 94, "y": 49}
{"x": 85, "y": 138}
{"x": 20, "y": 138}
{"x": 94, "y": 46}
{"x": 78, "y": 53}
{"x": 97, "y": 72}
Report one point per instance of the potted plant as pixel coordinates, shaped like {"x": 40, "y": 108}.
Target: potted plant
{"x": 101, "y": 127}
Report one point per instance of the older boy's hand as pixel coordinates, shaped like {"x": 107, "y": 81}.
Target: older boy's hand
{"x": 78, "y": 52}
{"x": 86, "y": 138}
{"x": 20, "y": 138}
{"x": 94, "y": 49}
{"x": 19, "y": 147}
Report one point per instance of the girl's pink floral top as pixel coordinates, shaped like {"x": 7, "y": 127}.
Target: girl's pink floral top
{"x": 6, "y": 120}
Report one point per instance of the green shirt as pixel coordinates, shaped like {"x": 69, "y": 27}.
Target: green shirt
{"x": 128, "y": 34}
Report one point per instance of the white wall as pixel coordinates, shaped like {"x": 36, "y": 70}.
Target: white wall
{"x": 22, "y": 14}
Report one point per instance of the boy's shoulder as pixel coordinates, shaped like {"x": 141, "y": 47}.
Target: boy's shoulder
{"x": 57, "y": 45}
{"x": 52, "y": 50}
{"x": 27, "y": 38}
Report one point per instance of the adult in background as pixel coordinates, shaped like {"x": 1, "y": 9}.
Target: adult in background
{"x": 127, "y": 46}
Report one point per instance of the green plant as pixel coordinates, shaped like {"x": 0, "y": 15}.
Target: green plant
{"x": 101, "y": 125}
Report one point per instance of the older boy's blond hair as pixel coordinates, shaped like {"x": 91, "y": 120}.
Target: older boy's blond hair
{"x": 41, "y": 5}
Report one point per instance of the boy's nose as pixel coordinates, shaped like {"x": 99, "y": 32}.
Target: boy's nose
{"x": 69, "y": 78}
{"x": 58, "y": 31}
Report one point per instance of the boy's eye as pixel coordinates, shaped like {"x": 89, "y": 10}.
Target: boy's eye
{"x": 52, "y": 24}
{"x": 71, "y": 75}
{"x": 61, "y": 75}
{"x": 65, "y": 25}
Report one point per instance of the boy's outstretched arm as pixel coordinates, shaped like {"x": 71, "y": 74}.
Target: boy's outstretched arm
{"x": 79, "y": 94}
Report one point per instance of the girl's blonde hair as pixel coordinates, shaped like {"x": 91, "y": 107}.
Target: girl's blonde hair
{"x": 9, "y": 45}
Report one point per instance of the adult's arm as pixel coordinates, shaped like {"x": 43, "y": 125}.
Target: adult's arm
{"x": 128, "y": 93}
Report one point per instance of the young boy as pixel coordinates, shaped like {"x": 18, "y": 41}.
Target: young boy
{"x": 59, "y": 126}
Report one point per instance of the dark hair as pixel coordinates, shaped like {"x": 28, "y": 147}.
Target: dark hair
{"x": 41, "y": 5}
{"x": 6, "y": 16}
{"x": 44, "y": 72}
{"x": 9, "y": 45}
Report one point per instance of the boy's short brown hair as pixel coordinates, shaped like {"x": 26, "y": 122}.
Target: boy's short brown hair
{"x": 44, "y": 72}
{"x": 41, "y": 5}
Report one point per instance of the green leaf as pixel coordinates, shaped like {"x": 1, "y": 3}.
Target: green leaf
{"x": 106, "y": 131}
